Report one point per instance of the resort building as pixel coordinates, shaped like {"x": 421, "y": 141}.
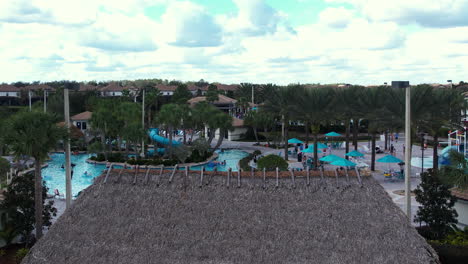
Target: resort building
{"x": 224, "y": 103}
{"x": 9, "y": 91}
{"x": 178, "y": 218}
{"x": 166, "y": 90}
{"x": 114, "y": 89}
{"x": 461, "y": 205}
{"x": 81, "y": 121}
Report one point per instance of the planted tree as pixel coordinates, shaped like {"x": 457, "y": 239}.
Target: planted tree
{"x": 271, "y": 162}
{"x": 181, "y": 94}
{"x": 212, "y": 94}
{"x": 20, "y": 204}
{"x": 436, "y": 209}
{"x": 35, "y": 134}
{"x": 170, "y": 118}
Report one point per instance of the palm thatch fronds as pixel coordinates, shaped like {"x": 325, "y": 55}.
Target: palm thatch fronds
{"x": 330, "y": 221}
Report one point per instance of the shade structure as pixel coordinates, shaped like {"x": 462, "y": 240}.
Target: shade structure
{"x": 319, "y": 146}
{"x": 294, "y": 141}
{"x": 343, "y": 162}
{"x": 330, "y": 158}
{"x": 332, "y": 134}
{"x": 389, "y": 159}
{"x": 354, "y": 153}
{"x": 310, "y": 150}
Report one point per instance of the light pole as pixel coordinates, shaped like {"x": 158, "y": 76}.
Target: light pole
{"x": 29, "y": 94}
{"x": 405, "y": 85}
{"x": 45, "y": 101}
{"x": 67, "y": 150}
{"x": 451, "y": 83}
{"x": 422, "y": 152}
{"x": 143, "y": 123}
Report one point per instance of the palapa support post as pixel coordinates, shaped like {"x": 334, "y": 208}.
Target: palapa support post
{"x": 201, "y": 176}
{"x": 212, "y": 174}
{"x": 160, "y": 176}
{"x": 239, "y": 178}
{"x": 358, "y": 176}
{"x": 336, "y": 176}
{"x": 146, "y": 176}
{"x": 264, "y": 178}
{"x": 186, "y": 171}
{"x": 119, "y": 176}
{"x": 277, "y": 177}
{"x": 347, "y": 176}
{"x": 292, "y": 178}
{"x": 173, "y": 172}
{"x": 107, "y": 174}
{"x": 135, "y": 177}
{"x": 252, "y": 172}
{"x": 228, "y": 177}
{"x": 308, "y": 175}
{"x": 321, "y": 173}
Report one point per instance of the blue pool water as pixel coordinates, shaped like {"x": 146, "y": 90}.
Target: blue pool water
{"x": 54, "y": 175}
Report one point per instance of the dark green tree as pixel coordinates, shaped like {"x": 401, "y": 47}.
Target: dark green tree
{"x": 181, "y": 94}
{"x": 19, "y": 203}
{"x": 35, "y": 134}
{"x": 212, "y": 94}
{"x": 271, "y": 162}
{"x": 4, "y": 168}
{"x": 436, "y": 209}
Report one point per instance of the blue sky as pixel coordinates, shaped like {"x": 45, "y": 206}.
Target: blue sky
{"x": 233, "y": 41}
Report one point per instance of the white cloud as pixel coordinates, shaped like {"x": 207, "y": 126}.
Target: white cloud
{"x": 186, "y": 24}
{"x": 428, "y": 13}
{"x": 336, "y": 17}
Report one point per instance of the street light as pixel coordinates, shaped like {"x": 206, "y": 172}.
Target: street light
{"x": 405, "y": 85}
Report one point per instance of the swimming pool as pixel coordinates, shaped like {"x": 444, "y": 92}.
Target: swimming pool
{"x": 54, "y": 174}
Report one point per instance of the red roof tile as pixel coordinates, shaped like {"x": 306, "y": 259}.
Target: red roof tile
{"x": 82, "y": 116}
{"x": 8, "y": 88}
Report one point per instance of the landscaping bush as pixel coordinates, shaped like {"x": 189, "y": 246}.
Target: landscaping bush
{"x": 115, "y": 157}
{"x": 20, "y": 254}
{"x": 152, "y": 162}
{"x": 244, "y": 162}
{"x": 271, "y": 162}
{"x": 257, "y": 152}
{"x": 197, "y": 157}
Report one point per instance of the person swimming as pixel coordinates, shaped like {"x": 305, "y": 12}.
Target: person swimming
{"x": 86, "y": 173}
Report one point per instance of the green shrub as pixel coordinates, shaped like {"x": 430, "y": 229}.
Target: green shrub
{"x": 271, "y": 162}
{"x": 456, "y": 238}
{"x": 257, "y": 152}
{"x": 244, "y": 162}
{"x": 20, "y": 254}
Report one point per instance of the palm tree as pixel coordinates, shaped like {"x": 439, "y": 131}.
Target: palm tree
{"x": 282, "y": 103}
{"x": 372, "y": 101}
{"x": 170, "y": 117}
{"x": 128, "y": 114}
{"x": 35, "y": 134}
{"x": 153, "y": 96}
{"x": 315, "y": 105}
{"x": 224, "y": 123}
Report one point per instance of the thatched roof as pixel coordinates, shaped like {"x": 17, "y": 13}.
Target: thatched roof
{"x": 154, "y": 221}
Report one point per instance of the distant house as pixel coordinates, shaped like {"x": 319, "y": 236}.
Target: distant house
{"x": 133, "y": 219}
{"x": 166, "y": 90}
{"x": 223, "y": 103}
{"x": 87, "y": 87}
{"x": 114, "y": 89}
{"x": 9, "y": 91}
{"x": 81, "y": 120}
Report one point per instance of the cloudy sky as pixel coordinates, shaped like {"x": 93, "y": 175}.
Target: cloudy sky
{"x": 232, "y": 41}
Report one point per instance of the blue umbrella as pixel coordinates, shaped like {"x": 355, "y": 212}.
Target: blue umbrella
{"x": 343, "y": 162}
{"x": 354, "y": 153}
{"x": 389, "y": 159}
{"x": 319, "y": 146}
{"x": 330, "y": 158}
{"x": 310, "y": 150}
{"x": 332, "y": 134}
{"x": 295, "y": 141}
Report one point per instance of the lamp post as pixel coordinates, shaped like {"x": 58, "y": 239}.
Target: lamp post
{"x": 405, "y": 85}
{"x": 422, "y": 152}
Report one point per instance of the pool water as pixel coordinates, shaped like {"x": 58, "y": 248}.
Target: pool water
{"x": 231, "y": 157}
{"x": 54, "y": 174}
